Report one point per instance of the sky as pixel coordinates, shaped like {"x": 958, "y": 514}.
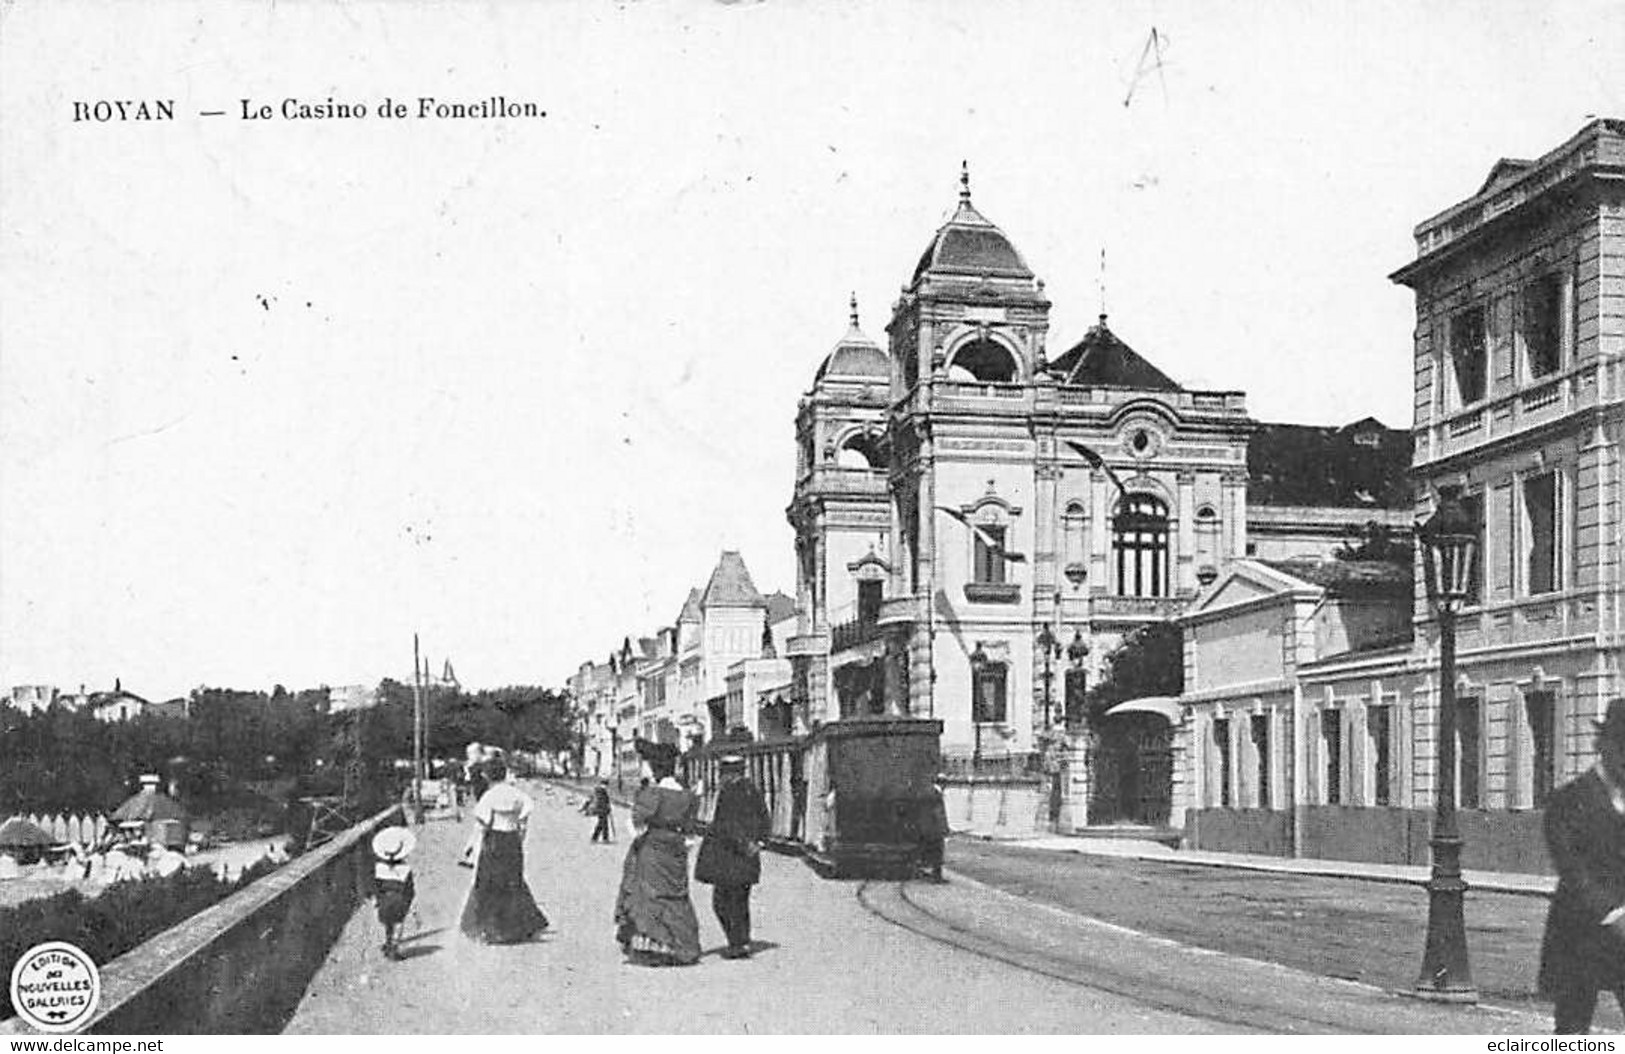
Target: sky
{"x": 275, "y": 395}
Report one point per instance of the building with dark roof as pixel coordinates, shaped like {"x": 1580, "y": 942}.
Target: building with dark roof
{"x": 1313, "y": 488}
{"x": 672, "y": 687}
{"x": 960, "y": 490}
{"x": 1520, "y": 413}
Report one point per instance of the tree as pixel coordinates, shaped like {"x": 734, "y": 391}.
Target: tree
{"x": 1374, "y": 541}
{"x": 1150, "y": 661}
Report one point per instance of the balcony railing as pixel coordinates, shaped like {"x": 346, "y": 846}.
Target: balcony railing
{"x": 1027, "y": 763}
{"x": 854, "y": 632}
{"x": 1153, "y": 607}
{"x": 992, "y": 592}
{"x": 837, "y": 479}
{"x": 902, "y": 610}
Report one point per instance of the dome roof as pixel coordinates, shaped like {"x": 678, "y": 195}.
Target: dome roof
{"x": 856, "y": 357}
{"x": 969, "y": 244}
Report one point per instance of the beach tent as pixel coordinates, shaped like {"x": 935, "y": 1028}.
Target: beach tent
{"x": 147, "y": 805}
{"x": 18, "y": 833}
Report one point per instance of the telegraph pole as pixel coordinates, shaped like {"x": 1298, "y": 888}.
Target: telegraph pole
{"x": 417, "y": 732}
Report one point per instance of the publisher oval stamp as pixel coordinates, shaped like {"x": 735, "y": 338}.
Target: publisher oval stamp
{"x": 55, "y": 987}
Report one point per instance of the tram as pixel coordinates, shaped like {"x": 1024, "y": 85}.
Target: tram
{"x": 853, "y": 796}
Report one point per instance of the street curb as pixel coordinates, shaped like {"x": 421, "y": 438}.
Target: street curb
{"x": 958, "y": 877}
{"x": 1489, "y": 883}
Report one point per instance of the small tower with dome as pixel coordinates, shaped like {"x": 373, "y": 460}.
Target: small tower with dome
{"x": 840, "y": 510}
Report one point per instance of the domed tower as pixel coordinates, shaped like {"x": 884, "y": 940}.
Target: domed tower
{"x": 972, "y": 310}
{"x": 967, "y": 346}
{"x": 840, "y": 509}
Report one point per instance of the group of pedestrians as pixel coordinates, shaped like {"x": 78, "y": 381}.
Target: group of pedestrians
{"x": 654, "y": 916}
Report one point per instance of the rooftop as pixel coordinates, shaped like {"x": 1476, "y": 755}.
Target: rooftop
{"x": 1359, "y": 465}
{"x": 1100, "y": 359}
{"x": 1350, "y": 578}
{"x": 730, "y": 585}
{"x": 855, "y": 357}
{"x": 969, "y": 244}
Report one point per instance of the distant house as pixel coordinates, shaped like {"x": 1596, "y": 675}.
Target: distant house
{"x": 31, "y": 697}
{"x": 351, "y": 697}
{"x": 117, "y": 705}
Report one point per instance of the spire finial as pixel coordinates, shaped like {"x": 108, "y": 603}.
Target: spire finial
{"x": 854, "y": 304}
{"x": 1102, "y": 285}
{"x": 964, "y": 182}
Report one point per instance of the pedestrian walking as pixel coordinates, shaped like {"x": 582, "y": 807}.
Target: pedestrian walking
{"x": 392, "y": 884}
{"x": 500, "y": 908}
{"x": 599, "y": 806}
{"x": 654, "y": 917}
{"x": 1583, "y": 951}
{"x": 474, "y": 772}
{"x": 933, "y": 832}
{"x": 730, "y": 860}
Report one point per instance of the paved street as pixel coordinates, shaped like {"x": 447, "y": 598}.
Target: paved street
{"x": 833, "y": 957}
{"x": 1360, "y": 930}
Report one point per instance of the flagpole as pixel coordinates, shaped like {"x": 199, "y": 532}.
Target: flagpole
{"x": 417, "y": 733}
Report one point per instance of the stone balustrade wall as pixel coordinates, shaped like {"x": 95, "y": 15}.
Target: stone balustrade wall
{"x": 242, "y": 965}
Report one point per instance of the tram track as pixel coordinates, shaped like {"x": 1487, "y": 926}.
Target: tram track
{"x": 1167, "y": 976}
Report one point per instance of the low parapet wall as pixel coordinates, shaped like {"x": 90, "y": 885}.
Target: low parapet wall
{"x": 243, "y": 964}
{"x": 996, "y": 806}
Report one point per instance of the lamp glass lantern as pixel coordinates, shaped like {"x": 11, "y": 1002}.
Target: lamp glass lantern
{"x": 1449, "y": 553}
{"x": 1050, "y": 647}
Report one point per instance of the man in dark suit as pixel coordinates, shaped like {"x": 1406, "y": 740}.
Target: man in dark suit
{"x": 599, "y": 806}
{"x": 730, "y": 855}
{"x": 1583, "y": 952}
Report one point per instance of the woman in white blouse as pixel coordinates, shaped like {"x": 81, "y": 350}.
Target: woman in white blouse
{"x": 500, "y": 908}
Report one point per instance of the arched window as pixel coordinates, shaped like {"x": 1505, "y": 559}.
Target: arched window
{"x": 1140, "y": 539}
{"x": 984, "y": 360}
{"x": 860, "y": 451}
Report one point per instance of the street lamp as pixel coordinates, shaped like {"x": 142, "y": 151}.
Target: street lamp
{"x": 1449, "y": 547}
{"x": 1077, "y": 651}
{"x": 1050, "y": 647}
{"x": 978, "y": 663}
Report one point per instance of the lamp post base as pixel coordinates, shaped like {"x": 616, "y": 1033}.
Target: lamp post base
{"x": 1445, "y": 976}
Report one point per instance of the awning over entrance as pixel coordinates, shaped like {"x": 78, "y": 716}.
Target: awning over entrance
{"x": 1166, "y": 706}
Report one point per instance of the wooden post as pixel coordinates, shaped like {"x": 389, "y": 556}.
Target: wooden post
{"x": 417, "y": 733}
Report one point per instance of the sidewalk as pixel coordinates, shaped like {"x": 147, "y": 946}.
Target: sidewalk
{"x": 1489, "y": 881}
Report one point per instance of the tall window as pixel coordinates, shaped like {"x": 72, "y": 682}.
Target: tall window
{"x": 1261, "y": 751}
{"x": 1140, "y": 537}
{"x": 1331, "y": 738}
{"x": 868, "y": 600}
{"x": 988, "y": 696}
{"x": 1380, "y": 724}
{"x": 1473, "y": 506}
{"x": 1469, "y": 357}
{"x": 989, "y": 562}
{"x": 1543, "y": 325}
{"x": 1221, "y": 747}
{"x": 1541, "y": 708}
{"x": 1467, "y": 754}
{"x": 1540, "y": 519}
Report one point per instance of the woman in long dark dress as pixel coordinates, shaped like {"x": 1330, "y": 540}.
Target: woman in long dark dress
{"x": 654, "y": 917}
{"x": 500, "y": 908}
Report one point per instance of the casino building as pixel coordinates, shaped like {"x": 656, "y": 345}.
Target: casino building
{"x": 979, "y": 521}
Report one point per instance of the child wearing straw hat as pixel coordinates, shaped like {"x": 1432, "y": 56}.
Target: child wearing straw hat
{"x": 392, "y": 882}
